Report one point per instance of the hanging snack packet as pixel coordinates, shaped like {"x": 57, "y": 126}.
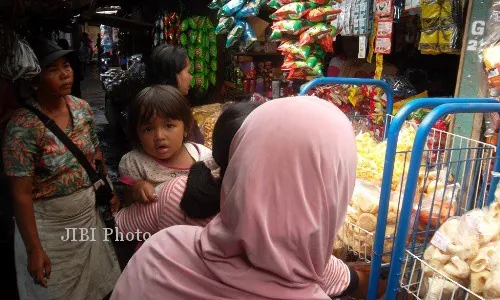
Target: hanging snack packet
{"x": 309, "y": 63}
{"x": 248, "y": 36}
{"x": 315, "y": 33}
{"x": 184, "y": 39}
{"x": 294, "y": 11}
{"x": 251, "y": 9}
{"x": 225, "y": 24}
{"x": 199, "y": 80}
{"x": 326, "y": 43}
{"x": 193, "y": 22}
{"x": 213, "y": 50}
{"x": 301, "y": 52}
{"x": 199, "y": 51}
{"x": 317, "y": 70}
{"x": 192, "y": 37}
{"x": 213, "y": 65}
{"x": 207, "y": 56}
{"x": 323, "y": 14}
{"x": 199, "y": 66}
{"x": 190, "y": 51}
{"x": 294, "y": 27}
{"x": 235, "y": 33}
{"x": 212, "y": 78}
{"x": 232, "y": 7}
{"x": 212, "y": 38}
{"x": 296, "y": 74}
{"x": 185, "y": 25}
{"x": 215, "y": 4}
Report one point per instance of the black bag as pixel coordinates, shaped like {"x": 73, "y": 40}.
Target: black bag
{"x": 103, "y": 191}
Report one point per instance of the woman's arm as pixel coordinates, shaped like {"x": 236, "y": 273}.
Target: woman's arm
{"x": 38, "y": 263}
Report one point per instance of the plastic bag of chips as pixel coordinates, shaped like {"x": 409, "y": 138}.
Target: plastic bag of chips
{"x": 213, "y": 50}
{"x": 199, "y": 66}
{"x": 192, "y": 35}
{"x": 294, "y": 11}
{"x": 293, "y": 27}
{"x": 190, "y": 51}
{"x": 248, "y": 36}
{"x": 235, "y": 34}
{"x": 225, "y": 24}
{"x": 199, "y": 80}
{"x": 279, "y": 3}
{"x": 213, "y": 65}
{"x": 212, "y": 38}
{"x": 315, "y": 33}
{"x": 216, "y": 4}
{"x": 212, "y": 78}
{"x": 185, "y": 25}
{"x": 301, "y": 52}
{"x": 250, "y": 9}
{"x": 323, "y": 14}
{"x": 184, "y": 39}
{"x": 232, "y": 7}
{"x": 326, "y": 43}
{"x": 309, "y": 63}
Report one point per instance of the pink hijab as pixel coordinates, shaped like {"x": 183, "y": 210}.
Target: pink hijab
{"x": 284, "y": 196}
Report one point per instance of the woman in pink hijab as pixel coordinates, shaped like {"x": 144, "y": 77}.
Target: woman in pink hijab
{"x": 284, "y": 197}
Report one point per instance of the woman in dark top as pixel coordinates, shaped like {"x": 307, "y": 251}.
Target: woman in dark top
{"x": 170, "y": 65}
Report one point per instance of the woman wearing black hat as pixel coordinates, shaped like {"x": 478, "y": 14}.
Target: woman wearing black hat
{"x": 62, "y": 251}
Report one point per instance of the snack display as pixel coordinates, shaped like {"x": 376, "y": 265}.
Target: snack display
{"x": 200, "y": 42}
{"x": 206, "y": 116}
{"x": 441, "y": 21}
{"x": 299, "y": 24}
{"x": 232, "y": 17}
{"x": 371, "y": 155}
{"x": 361, "y": 219}
{"x": 167, "y": 29}
{"x": 465, "y": 249}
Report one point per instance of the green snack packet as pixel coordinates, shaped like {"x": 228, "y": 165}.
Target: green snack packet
{"x": 311, "y": 61}
{"x": 225, "y": 24}
{"x": 207, "y": 55}
{"x": 198, "y": 51}
{"x": 235, "y": 34}
{"x": 199, "y": 66}
{"x": 212, "y": 38}
{"x": 274, "y": 4}
{"x": 184, "y": 39}
{"x": 191, "y": 69}
{"x": 213, "y": 65}
{"x": 190, "y": 52}
{"x": 192, "y": 37}
{"x": 212, "y": 78}
{"x": 195, "y": 23}
{"x": 191, "y": 83}
{"x": 276, "y": 35}
{"x": 185, "y": 25}
{"x": 205, "y": 82}
{"x": 317, "y": 70}
{"x": 214, "y": 4}
{"x": 213, "y": 50}
{"x": 199, "y": 80}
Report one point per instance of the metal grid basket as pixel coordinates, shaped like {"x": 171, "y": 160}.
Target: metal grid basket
{"x": 465, "y": 165}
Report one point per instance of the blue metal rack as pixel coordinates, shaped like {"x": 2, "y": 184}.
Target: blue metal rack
{"x": 473, "y": 157}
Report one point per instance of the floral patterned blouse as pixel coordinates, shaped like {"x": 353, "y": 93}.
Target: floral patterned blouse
{"x": 32, "y": 150}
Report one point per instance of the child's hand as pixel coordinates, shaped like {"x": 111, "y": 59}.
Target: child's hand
{"x": 144, "y": 192}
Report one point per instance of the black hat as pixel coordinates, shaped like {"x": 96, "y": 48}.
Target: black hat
{"x": 47, "y": 52}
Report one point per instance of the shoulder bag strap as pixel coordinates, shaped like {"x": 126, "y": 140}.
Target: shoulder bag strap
{"x": 52, "y": 126}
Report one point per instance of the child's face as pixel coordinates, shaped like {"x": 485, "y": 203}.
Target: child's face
{"x": 161, "y": 138}
{"x": 184, "y": 79}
